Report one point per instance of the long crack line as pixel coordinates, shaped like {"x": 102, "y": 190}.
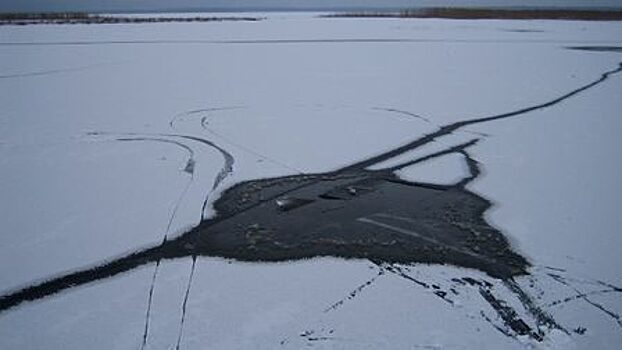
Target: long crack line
{"x": 450, "y": 128}
{"x": 185, "y": 303}
{"x": 582, "y": 295}
{"x": 149, "y": 303}
{"x": 356, "y": 291}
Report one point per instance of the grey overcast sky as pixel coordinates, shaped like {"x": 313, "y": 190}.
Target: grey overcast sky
{"x": 242, "y": 5}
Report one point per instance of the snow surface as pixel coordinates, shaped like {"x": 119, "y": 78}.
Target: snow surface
{"x": 447, "y": 170}
{"x": 290, "y": 94}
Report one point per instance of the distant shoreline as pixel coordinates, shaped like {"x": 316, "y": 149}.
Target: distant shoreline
{"x": 481, "y": 13}
{"x": 20, "y": 19}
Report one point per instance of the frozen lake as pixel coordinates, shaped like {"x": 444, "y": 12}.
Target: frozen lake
{"x": 428, "y": 184}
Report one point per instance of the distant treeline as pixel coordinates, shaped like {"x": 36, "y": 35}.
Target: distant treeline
{"x": 86, "y": 18}
{"x": 44, "y": 16}
{"x": 474, "y": 13}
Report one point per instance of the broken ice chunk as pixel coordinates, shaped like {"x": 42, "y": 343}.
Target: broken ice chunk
{"x": 287, "y": 203}
{"x": 189, "y": 166}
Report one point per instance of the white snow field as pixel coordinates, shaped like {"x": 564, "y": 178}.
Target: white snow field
{"x": 99, "y": 156}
